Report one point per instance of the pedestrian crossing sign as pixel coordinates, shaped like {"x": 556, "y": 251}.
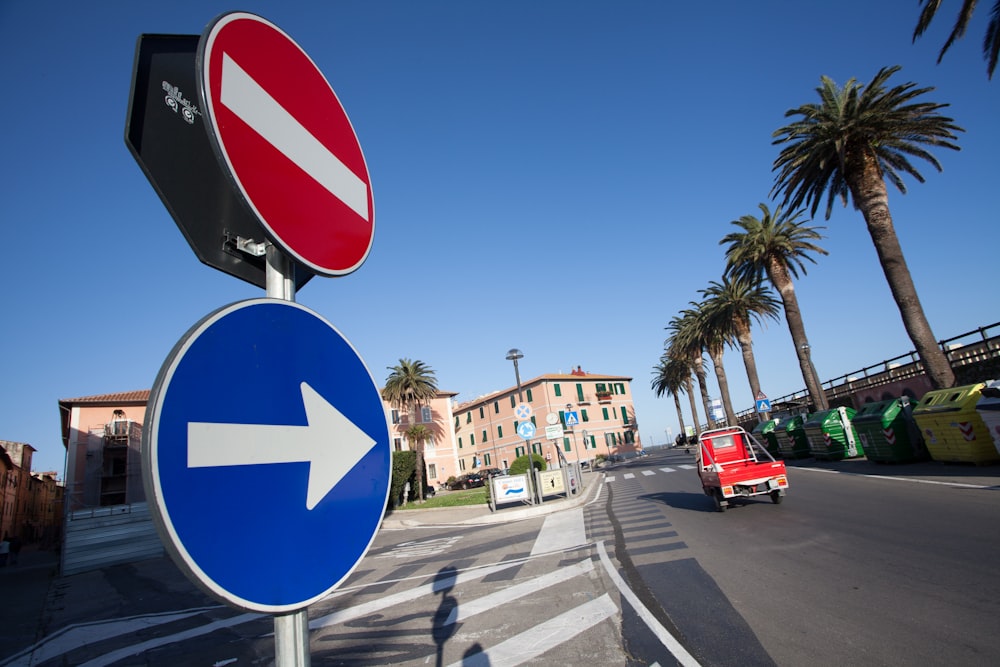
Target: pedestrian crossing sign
{"x": 572, "y": 419}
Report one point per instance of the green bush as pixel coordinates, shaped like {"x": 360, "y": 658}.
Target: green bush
{"x": 520, "y": 464}
{"x": 404, "y": 467}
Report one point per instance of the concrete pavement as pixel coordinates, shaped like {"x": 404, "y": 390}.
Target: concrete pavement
{"x": 36, "y": 603}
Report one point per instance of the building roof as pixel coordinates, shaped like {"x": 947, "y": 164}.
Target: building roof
{"x": 139, "y": 397}
{"x": 574, "y": 376}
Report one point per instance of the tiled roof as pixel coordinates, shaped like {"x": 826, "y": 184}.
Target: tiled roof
{"x": 138, "y": 396}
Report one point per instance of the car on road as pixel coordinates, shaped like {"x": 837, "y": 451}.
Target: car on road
{"x": 469, "y": 480}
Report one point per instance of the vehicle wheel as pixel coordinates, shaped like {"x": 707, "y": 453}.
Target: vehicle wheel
{"x": 465, "y": 486}
{"x": 776, "y": 497}
{"x": 720, "y": 501}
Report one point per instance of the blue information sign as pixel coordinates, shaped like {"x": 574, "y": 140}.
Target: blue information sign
{"x": 266, "y": 455}
{"x": 526, "y": 430}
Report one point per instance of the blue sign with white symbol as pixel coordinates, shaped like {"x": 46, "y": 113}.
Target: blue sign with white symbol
{"x": 571, "y": 418}
{"x": 526, "y": 430}
{"x": 266, "y": 455}
{"x": 763, "y": 405}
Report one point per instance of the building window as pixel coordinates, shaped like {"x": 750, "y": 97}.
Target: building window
{"x": 472, "y": 440}
{"x": 426, "y": 416}
{"x": 529, "y": 395}
{"x": 481, "y": 415}
{"x": 500, "y": 431}
{"x": 456, "y": 421}
{"x": 519, "y": 451}
{"x": 460, "y": 443}
{"x": 461, "y": 465}
{"x": 566, "y": 446}
{"x": 583, "y": 415}
{"x": 487, "y": 459}
{"x": 484, "y": 436}
{"x": 395, "y": 416}
{"x": 397, "y": 444}
{"x": 620, "y": 388}
{"x": 624, "y": 415}
{"x": 579, "y": 393}
{"x": 558, "y": 390}
{"x": 604, "y": 411}
{"x": 468, "y": 417}
{"x": 496, "y": 407}
{"x": 432, "y": 471}
{"x": 512, "y": 401}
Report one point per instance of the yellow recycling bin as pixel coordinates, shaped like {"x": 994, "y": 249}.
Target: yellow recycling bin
{"x": 952, "y": 429}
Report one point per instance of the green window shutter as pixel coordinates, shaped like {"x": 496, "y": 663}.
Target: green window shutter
{"x": 620, "y": 388}
{"x": 468, "y": 417}
{"x": 459, "y": 443}
{"x": 583, "y": 415}
{"x": 486, "y": 457}
{"x": 472, "y": 439}
{"x": 481, "y": 415}
{"x": 500, "y": 431}
{"x": 604, "y": 411}
{"x": 624, "y": 415}
{"x": 515, "y": 426}
{"x": 496, "y": 407}
{"x": 579, "y": 393}
{"x": 562, "y": 418}
{"x": 558, "y": 389}
{"x": 512, "y": 401}
{"x": 533, "y": 421}
{"x": 529, "y": 395}
{"x": 518, "y": 452}
{"x": 456, "y": 421}
{"x": 566, "y": 445}
{"x": 484, "y": 436}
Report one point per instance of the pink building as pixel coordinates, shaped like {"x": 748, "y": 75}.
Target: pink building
{"x": 486, "y": 428}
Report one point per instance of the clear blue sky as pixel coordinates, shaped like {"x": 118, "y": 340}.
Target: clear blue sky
{"x": 552, "y": 176}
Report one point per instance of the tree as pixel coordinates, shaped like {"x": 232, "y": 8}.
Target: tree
{"x": 991, "y": 42}
{"x": 714, "y": 337}
{"x": 776, "y": 245}
{"x": 410, "y": 386}
{"x": 671, "y": 376}
{"x": 850, "y": 143}
{"x": 732, "y": 305}
{"x": 686, "y": 343}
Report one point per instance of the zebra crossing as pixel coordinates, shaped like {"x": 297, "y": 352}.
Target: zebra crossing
{"x": 647, "y": 473}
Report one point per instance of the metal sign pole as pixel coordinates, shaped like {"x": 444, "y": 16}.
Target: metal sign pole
{"x": 291, "y": 631}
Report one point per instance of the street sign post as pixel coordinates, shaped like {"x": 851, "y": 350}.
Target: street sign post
{"x": 282, "y": 136}
{"x": 264, "y": 430}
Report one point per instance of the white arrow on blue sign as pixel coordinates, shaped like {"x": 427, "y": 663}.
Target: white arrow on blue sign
{"x": 526, "y": 430}
{"x": 266, "y": 455}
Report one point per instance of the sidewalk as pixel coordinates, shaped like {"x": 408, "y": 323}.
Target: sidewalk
{"x": 36, "y": 602}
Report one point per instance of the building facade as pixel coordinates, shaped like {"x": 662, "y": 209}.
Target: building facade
{"x": 589, "y": 414}
{"x": 440, "y": 454}
{"x": 30, "y": 503}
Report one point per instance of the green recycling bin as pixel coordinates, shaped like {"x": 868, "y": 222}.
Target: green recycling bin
{"x": 888, "y": 432}
{"x": 794, "y": 444}
{"x": 767, "y": 434}
{"x": 831, "y": 436}
{"x": 952, "y": 429}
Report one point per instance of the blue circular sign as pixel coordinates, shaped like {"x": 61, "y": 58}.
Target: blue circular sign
{"x": 526, "y": 430}
{"x": 266, "y": 455}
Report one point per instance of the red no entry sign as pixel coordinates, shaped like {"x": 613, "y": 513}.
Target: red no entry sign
{"x": 284, "y": 138}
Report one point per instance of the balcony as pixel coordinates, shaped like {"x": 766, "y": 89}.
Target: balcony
{"x": 604, "y": 396}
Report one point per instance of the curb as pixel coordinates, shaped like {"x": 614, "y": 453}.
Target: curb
{"x": 424, "y": 518}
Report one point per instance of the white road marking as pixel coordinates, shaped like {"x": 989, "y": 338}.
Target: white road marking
{"x": 265, "y": 115}
{"x": 901, "y": 479}
{"x": 493, "y": 600}
{"x": 543, "y": 637}
{"x": 647, "y": 473}
{"x": 668, "y": 640}
{"x": 561, "y": 531}
{"x": 629, "y": 475}
{"x": 687, "y": 466}
{"x": 609, "y": 478}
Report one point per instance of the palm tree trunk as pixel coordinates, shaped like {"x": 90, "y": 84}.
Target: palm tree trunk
{"x": 699, "y": 372}
{"x": 749, "y": 361}
{"x": 420, "y": 471}
{"x": 723, "y": 380}
{"x": 869, "y": 193}
{"x": 694, "y": 408}
{"x": 680, "y": 415}
{"x": 778, "y": 276}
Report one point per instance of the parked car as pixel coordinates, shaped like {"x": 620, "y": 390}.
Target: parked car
{"x": 469, "y": 480}
{"x": 490, "y": 473}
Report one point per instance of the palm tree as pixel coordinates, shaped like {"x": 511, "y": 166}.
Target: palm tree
{"x": 732, "y": 305}
{"x": 991, "y": 42}
{"x": 776, "y": 245}
{"x": 670, "y": 376}
{"x": 686, "y": 343}
{"x": 410, "y": 386}
{"x": 851, "y": 142}
{"x": 715, "y": 336}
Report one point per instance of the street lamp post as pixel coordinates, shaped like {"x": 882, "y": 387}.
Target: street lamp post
{"x": 513, "y": 355}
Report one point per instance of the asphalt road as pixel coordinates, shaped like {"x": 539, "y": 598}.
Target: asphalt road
{"x": 861, "y": 564}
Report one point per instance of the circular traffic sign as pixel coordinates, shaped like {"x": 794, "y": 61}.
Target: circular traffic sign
{"x": 281, "y": 134}
{"x": 526, "y": 430}
{"x": 264, "y": 430}
{"x": 522, "y": 411}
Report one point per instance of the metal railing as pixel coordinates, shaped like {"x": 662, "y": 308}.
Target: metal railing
{"x": 966, "y": 349}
